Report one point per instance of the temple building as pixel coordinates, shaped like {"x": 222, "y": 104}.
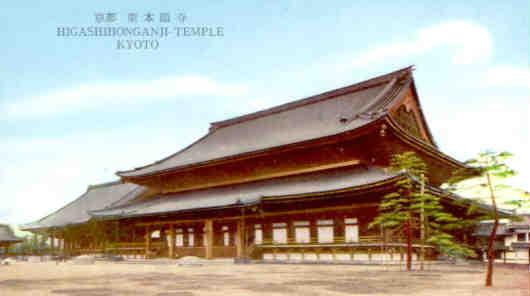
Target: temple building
{"x": 512, "y": 242}
{"x": 299, "y": 181}
{"x": 7, "y": 238}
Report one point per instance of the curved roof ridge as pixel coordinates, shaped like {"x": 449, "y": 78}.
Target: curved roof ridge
{"x": 314, "y": 99}
{"x": 105, "y": 184}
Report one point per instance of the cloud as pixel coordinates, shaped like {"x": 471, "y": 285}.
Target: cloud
{"x": 506, "y": 75}
{"x": 89, "y": 96}
{"x": 469, "y": 42}
{"x": 43, "y": 174}
{"x": 491, "y": 125}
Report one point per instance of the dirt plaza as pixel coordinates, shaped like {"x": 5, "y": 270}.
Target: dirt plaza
{"x": 105, "y": 278}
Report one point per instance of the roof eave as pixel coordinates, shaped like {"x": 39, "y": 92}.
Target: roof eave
{"x": 430, "y": 149}
{"x": 355, "y": 132}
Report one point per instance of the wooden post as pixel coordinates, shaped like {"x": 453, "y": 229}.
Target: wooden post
{"x": 185, "y": 236}
{"x": 239, "y": 239}
{"x": 313, "y": 231}
{"x": 172, "y": 241}
{"x": 244, "y": 235}
{"x": 241, "y": 236}
{"x": 208, "y": 225}
{"x": 147, "y": 241}
{"x": 52, "y": 244}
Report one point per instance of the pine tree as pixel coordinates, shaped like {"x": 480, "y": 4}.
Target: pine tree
{"x": 411, "y": 207}
{"x": 488, "y": 165}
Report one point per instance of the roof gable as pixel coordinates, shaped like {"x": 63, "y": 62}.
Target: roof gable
{"x": 95, "y": 198}
{"x": 7, "y": 235}
{"x": 407, "y": 112}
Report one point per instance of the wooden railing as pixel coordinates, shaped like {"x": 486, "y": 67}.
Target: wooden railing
{"x": 224, "y": 251}
{"x": 127, "y": 246}
{"x": 190, "y": 251}
{"x": 336, "y": 240}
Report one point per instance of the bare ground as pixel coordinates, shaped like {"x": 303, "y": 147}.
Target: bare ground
{"x": 256, "y": 279}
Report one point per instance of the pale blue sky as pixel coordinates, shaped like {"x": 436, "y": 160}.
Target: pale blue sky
{"x": 76, "y": 110}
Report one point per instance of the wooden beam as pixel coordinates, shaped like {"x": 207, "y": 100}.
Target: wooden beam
{"x": 270, "y": 214}
{"x": 175, "y": 222}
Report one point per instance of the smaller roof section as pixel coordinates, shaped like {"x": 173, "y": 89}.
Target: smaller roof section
{"x": 252, "y": 192}
{"x": 7, "y": 235}
{"x": 96, "y": 197}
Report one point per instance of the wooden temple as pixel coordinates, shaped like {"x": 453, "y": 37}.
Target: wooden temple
{"x": 7, "y": 238}
{"x": 299, "y": 181}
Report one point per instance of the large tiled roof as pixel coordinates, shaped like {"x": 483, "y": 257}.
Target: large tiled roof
{"x": 7, "y": 235}
{"x": 253, "y": 192}
{"x": 323, "y": 115}
{"x": 96, "y": 197}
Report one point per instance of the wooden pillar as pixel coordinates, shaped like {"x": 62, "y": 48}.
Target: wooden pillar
{"x": 185, "y": 236}
{"x": 239, "y": 240}
{"x": 52, "y": 244}
{"x": 147, "y": 241}
{"x": 338, "y": 229}
{"x": 172, "y": 241}
{"x": 313, "y": 231}
{"x": 244, "y": 233}
{"x": 291, "y": 236}
{"x": 208, "y": 225}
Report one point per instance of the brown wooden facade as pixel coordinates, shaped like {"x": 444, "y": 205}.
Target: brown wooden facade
{"x": 308, "y": 225}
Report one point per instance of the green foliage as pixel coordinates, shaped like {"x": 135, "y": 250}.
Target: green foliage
{"x": 446, "y": 245}
{"x": 476, "y": 187}
{"x": 32, "y": 244}
{"x": 490, "y": 165}
{"x": 404, "y": 205}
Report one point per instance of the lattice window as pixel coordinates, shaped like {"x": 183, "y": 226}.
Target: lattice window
{"x": 325, "y": 231}
{"x": 258, "y": 234}
{"x": 191, "y": 237}
{"x": 226, "y": 236}
{"x": 302, "y": 232}
{"x": 351, "y": 230}
{"x": 279, "y": 233}
{"x": 179, "y": 237}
